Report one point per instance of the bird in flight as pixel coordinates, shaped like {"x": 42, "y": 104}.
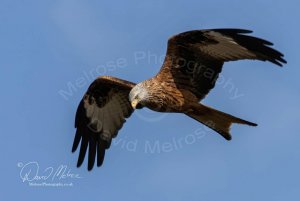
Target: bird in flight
{"x": 191, "y": 67}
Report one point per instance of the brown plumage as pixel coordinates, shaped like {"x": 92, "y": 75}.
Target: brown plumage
{"x": 193, "y": 62}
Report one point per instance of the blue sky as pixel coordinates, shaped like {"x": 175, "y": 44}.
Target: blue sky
{"x": 48, "y": 46}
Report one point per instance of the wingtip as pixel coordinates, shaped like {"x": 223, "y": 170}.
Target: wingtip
{"x": 234, "y": 30}
{"x": 225, "y": 135}
{"x": 251, "y": 124}
{"x": 279, "y": 62}
{"x": 228, "y": 137}
{"x": 254, "y": 124}
{"x": 80, "y": 161}
{"x": 78, "y": 165}
{"x": 245, "y": 31}
{"x": 90, "y": 168}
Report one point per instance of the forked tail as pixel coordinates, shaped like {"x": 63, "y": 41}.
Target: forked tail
{"x": 216, "y": 120}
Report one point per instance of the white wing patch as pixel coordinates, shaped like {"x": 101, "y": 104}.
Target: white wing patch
{"x": 108, "y": 119}
{"x": 226, "y": 48}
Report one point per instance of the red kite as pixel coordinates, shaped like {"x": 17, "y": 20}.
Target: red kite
{"x": 192, "y": 64}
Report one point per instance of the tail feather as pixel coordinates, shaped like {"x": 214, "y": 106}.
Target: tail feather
{"x": 216, "y": 120}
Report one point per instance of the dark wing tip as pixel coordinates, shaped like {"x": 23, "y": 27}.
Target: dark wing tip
{"x": 101, "y": 146}
{"x": 280, "y": 61}
{"x": 232, "y": 31}
{"x": 92, "y": 152}
{"x": 77, "y": 139}
{"x": 253, "y": 124}
{"x": 227, "y": 136}
{"x": 95, "y": 145}
{"x": 82, "y": 152}
{"x": 259, "y": 46}
{"x": 96, "y": 149}
{"x": 80, "y": 112}
{"x": 91, "y": 141}
{"x": 79, "y": 117}
{"x": 249, "y": 123}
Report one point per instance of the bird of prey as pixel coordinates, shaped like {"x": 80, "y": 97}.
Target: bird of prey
{"x": 191, "y": 67}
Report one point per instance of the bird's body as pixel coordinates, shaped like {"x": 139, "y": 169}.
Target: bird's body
{"x": 159, "y": 96}
{"x": 192, "y": 64}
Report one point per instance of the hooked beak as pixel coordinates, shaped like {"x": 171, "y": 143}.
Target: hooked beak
{"x": 134, "y": 103}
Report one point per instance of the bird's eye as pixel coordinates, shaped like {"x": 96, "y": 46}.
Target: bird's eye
{"x": 139, "y": 106}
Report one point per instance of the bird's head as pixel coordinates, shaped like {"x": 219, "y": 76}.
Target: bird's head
{"x": 138, "y": 96}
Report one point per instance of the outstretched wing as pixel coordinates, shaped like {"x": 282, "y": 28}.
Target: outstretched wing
{"x": 195, "y": 58}
{"x": 100, "y": 115}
